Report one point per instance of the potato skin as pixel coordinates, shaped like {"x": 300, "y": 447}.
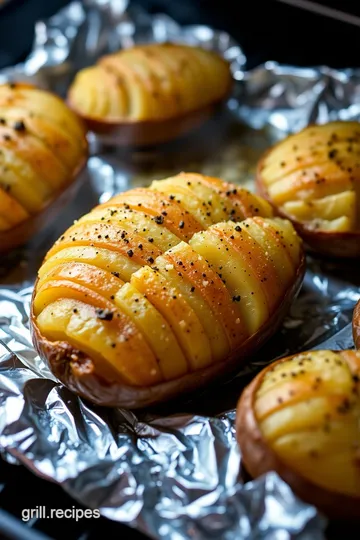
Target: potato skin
{"x": 78, "y": 373}
{"x": 60, "y": 196}
{"x": 170, "y": 120}
{"x": 356, "y": 325}
{"x": 332, "y": 243}
{"x": 260, "y": 459}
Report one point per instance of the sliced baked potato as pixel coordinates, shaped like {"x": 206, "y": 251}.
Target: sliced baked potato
{"x": 141, "y": 300}
{"x": 300, "y": 417}
{"x": 313, "y": 179}
{"x": 150, "y": 93}
{"x": 43, "y": 147}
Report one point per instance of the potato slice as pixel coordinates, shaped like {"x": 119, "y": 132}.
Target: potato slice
{"x": 118, "y": 99}
{"x": 244, "y": 203}
{"x": 283, "y": 229}
{"x": 327, "y": 208}
{"x": 118, "y": 341}
{"x": 178, "y": 313}
{"x": 54, "y": 137}
{"x": 37, "y": 101}
{"x": 157, "y": 331}
{"x": 197, "y": 270}
{"x": 165, "y": 84}
{"x": 26, "y": 186}
{"x": 274, "y": 249}
{"x": 186, "y": 198}
{"x": 213, "y": 328}
{"x": 141, "y": 102}
{"x": 136, "y": 222}
{"x": 32, "y": 152}
{"x": 54, "y": 289}
{"x": 164, "y": 210}
{"x": 341, "y": 153}
{"x": 11, "y": 211}
{"x": 108, "y": 236}
{"x": 313, "y": 138}
{"x": 120, "y": 265}
{"x": 98, "y": 280}
{"x": 258, "y": 264}
{"x": 241, "y": 284}
{"x": 316, "y": 183}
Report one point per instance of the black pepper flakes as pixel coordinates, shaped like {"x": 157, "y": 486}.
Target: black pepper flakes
{"x": 104, "y": 314}
{"x": 181, "y": 225}
{"x": 159, "y": 220}
{"x": 130, "y": 252}
{"x": 236, "y": 298}
{"x": 19, "y": 126}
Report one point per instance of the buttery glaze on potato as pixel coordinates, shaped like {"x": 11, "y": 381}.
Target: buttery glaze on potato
{"x": 300, "y": 417}
{"x": 160, "y": 289}
{"x": 42, "y": 148}
{"x": 313, "y": 178}
{"x": 150, "y": 93}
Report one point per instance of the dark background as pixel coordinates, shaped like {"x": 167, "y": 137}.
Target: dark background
{"x": 267, "y": 30}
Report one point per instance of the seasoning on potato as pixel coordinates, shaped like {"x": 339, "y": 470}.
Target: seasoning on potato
{"x": 300, "y": 417}
{"x": 150, "y": 93}
{"x": 313, "y": 178}
{"x": 161, "y": 290}
{"x": 43, "y": 146}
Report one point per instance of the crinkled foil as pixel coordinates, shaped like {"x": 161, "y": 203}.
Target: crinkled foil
{"x": 174, "y": 472}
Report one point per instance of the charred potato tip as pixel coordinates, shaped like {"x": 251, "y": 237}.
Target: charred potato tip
{"x": 300, "y": 417}
{"x": 313, "y": 179}
{"x": 43, "y": 147}
{"x": 150, "y": 94}
{"x": 161, "y": 289}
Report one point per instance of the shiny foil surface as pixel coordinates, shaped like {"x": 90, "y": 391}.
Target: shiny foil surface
{"x": 173, "y": 472}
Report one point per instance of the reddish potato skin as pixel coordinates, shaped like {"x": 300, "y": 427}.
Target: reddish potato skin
{"x": 333, "y": 244}
{"x": 150, "y": 132}
{"x": 19, "y": 235}
{"x": 80, "y": 375}
{"x": 356, "y": 325}
{"x": 259, "y": 459}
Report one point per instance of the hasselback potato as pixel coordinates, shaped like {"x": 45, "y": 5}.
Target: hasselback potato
{"x": 156, "y": 291}
{"x": 300, "y": 417}
{"x": 313, "y": 178}
{"x": 150, "y": 93}
{"x": 43, "y": 146}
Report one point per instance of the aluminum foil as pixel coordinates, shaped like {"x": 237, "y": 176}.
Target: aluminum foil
{"x": 174, "y": 472}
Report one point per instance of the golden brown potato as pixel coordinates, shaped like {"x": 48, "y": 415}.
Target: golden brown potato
{"x": 300, "y": 417}
{"x": 313, "y": 179}
{"x": 43, "y": 147}
{"x": 140, "y": 301}
{"x": 150, "y": 93}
